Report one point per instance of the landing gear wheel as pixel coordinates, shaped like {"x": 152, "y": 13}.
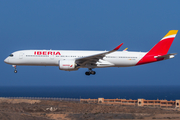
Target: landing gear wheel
{"x": 87, "y": 73}
{"x": 90, "y": 72}
{"x": 15, "y": 71}
{"x": 93, "y": 72}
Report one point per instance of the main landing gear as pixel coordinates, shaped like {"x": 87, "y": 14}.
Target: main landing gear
{"x": 15, "y": 70}
{"x": 90, "y": 72}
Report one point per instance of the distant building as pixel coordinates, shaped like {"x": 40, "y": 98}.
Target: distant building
{"x": 138, "y": 102}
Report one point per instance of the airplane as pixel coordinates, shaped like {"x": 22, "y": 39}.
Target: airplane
{"x": 72, "y": 60}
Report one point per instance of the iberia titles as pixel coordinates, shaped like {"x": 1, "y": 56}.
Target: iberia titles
{"x": 46, "y": 53}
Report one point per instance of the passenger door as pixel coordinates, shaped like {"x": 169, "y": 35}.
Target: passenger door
{"x": 21, "y": 55}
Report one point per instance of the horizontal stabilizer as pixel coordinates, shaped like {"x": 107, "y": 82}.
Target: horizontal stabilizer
{"x": 168, "y": 56}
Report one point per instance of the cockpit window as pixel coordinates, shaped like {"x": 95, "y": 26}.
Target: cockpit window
{"x": 11, "y": 55}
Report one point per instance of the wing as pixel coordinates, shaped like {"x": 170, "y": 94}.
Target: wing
{"x": 92, "y": 59}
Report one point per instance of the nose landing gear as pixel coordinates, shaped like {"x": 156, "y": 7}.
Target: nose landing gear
{"x": 90, "y": 72}
{"x": 15, "y": 70}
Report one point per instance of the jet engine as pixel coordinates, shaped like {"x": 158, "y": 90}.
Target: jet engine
{"x": 68, "y": 65}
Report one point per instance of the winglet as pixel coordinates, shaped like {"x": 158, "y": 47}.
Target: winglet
{"x": 125, "y": 49}
{"x": 117, "y": 48}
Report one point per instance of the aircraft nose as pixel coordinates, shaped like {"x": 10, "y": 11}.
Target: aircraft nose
{"x": 6, "y": 60}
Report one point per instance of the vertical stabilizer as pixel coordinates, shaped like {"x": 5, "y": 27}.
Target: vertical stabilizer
{"x": 160, "y": 49}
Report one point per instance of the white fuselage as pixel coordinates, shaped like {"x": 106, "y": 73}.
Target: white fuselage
{"x": 52, "y": 58}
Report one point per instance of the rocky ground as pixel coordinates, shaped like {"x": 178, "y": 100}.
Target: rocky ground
{"x": 22, "y": 109}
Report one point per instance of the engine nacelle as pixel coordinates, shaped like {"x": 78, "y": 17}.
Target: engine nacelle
{"x": 67, "y": 65}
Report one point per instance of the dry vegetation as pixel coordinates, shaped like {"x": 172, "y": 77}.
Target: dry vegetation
{"x": 23, "y": 109}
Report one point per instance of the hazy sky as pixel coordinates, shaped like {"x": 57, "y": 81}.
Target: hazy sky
{"x": 88, "y": 25}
